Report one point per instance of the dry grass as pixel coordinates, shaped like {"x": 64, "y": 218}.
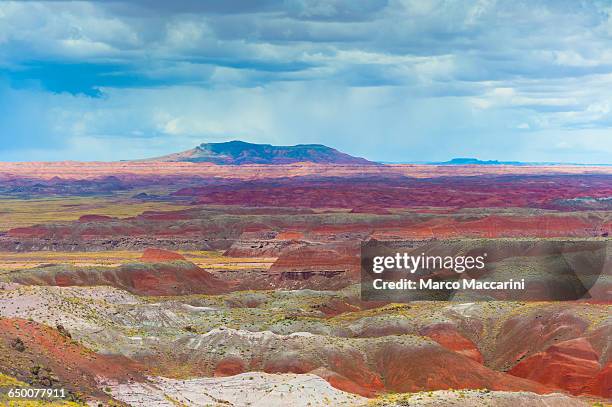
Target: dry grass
{"x": 205, "y": 259}
{"x": 10, "y": 382}
{"x": 26, "y": 212}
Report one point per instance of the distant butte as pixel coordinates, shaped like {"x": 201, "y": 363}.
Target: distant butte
{"x": 159, "y": 255}
{"x": 239, "y": 152}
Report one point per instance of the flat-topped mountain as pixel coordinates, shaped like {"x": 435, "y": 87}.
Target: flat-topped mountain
{"x": 240, "y": 152}
{"x": 476, "y": 161}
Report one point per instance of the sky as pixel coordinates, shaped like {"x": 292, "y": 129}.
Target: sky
{"x": 389, "y": 80}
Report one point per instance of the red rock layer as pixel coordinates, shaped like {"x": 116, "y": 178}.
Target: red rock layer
{"x": 130, "y": 170}
{"x": 320, "y": 258}
{"x": 429, "y": 368}
{"x": 601, "y": 385}
{"x": 159, "y": 255}
{"x": 179, "y": 278}
{"x": 571, "y": 365}
{"x": 447, "y": 336}
{"x": 377, "y": 194}
{"x": 76, "y": 367}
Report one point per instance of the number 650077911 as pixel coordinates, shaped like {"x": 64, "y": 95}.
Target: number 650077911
{"x": 32, "y": 393}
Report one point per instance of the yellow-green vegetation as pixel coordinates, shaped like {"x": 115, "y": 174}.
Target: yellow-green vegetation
{"x": 174, "y": 402}
{"x": 26, "y": 212}
{"x": 398, "y": 399}
{"x": 8, "y": 382}
{"x": 41, "y": 403}
{"x": 594, "y": 314}
{"x": 431, "y": 397}
{"x": 284, "y": 312}
{"x": 407, "y": 399}
{"x": 205, "y": 259}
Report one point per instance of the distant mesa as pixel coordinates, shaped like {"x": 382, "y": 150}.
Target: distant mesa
{"x": 240, "y": 152}
{"x": 476, "y": 161}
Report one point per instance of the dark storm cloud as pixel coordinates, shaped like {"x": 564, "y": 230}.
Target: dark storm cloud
{"x": 187, "y": 6}
{"x": 325, "y": 10}
{"x": 75, "y": 78}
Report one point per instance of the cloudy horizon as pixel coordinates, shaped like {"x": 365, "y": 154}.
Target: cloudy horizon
{"x": 394, "y": 81}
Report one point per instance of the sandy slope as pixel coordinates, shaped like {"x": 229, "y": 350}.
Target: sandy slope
{"x": 247, "y": 389}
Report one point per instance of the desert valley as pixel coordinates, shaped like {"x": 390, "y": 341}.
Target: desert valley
{"x": 229, "y": 275}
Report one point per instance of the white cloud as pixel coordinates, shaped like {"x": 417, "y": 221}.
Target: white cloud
{"x": 382, "y": 80}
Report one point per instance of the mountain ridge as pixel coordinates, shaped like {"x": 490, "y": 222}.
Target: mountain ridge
{"x": 238, "y": 152}
{"x": 477, "y": 161}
